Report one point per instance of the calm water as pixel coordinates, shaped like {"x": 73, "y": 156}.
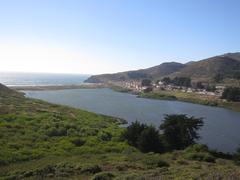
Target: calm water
{"x": 221, "y": 130}
{"x": 38, "y": 79}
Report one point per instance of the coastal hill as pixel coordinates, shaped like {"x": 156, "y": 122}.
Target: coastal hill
{"x": 226, "y": 66}
{"x": 5, "y": 91}
{"x": 159, "y": 71}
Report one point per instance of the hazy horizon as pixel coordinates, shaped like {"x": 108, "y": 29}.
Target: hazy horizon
{"x": 95, "y": 37}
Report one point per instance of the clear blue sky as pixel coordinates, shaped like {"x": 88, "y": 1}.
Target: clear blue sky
{"x": 97, "y": 36}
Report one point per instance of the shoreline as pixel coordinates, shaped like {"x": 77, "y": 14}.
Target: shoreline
{"x": 183, "y": 97}
{"x": 57, "y": 87}
{"x": 192, "y": 98}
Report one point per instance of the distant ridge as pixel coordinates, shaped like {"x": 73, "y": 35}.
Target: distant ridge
{"x": 155, "y": 72}
{"x": 226, "y": 65}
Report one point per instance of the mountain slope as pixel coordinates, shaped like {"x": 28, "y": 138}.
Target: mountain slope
{"x": 227, "y": 65}
{"x": 159, "y": 71}
{"x": 5, "y": 91}
{"x": 207, "y": 69}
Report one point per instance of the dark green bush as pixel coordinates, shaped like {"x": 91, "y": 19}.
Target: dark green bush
{"x": 72, "y": 132}
{"x": 92, "y": 169}
{"x": 78, "y": 141}
{"x": 197, "y": 148}
{"x": 162, "y": 163}
{"x": 200, "y": 157}
{"x": 236, "y": 157}
{"x": 152, "y": 161}
{"x": 199, "y": 152}
{"x": 104, "y": 136}
{"x": 61, "y": 131}
{"x": 103, "y": 176}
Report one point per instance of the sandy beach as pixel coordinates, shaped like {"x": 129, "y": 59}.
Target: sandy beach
{"x": 58, "y": 87}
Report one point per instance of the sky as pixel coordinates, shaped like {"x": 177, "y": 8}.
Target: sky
{"x": 107, "y": 36}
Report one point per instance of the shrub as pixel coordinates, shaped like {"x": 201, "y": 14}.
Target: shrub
{"x": 103, "y": 176}
{"x": 221, "y": 154}
{"x": 154, "y": 161}
{"x": 200, "y": 157}
{"x": 61, "y": 131}
{"x": 236, "y": 157}
{"x": 182, "y": 162}
{"x": 197, "y": 148}
{"x": 78, "y": 141}
{"x": 104, "y": 136}
{"x": 92, "y": 169}
{"x": 3, "y": 162}
{"x": 72, "y": 132}
{"x": 162, "y": 163}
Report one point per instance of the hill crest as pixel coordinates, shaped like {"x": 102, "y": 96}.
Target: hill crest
{"x": 227, "y": 65}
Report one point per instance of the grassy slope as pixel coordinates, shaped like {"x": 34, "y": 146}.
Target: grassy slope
{"x": 82, "y": 144}
{"x": 193, "y": 98}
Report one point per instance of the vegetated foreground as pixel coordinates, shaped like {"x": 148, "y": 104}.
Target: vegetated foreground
{"x": 42, "y": 141}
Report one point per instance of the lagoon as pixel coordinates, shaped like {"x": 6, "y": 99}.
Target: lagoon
{"x": 221, "y": 129}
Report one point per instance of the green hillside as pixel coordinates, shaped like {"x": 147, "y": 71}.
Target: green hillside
{"x": 40, "y": 140}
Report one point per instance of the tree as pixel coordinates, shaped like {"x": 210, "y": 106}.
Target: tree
{"x": 149, "y": 140}
{"x": 166, "y": 80}
{"x": 231, "y": 94}
{"x": 182, "y": 81}
{"x": 148, "y": 89}
{"x": 145, "y": 138}
{"x": 210, "y": 88}
{"x": 236, "y": 75}
{"x": 218, "y": 78}
{"x": 180, "y": 131}
{"x": 133, "y": 132}
{"x": 146, "y": 82}
{"x": 236, "y": 157}
{"x": 199, "y": 85}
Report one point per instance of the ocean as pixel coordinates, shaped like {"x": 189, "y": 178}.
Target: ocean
{"x": 40, "y": 79}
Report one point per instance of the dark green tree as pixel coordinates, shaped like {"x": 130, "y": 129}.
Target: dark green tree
{"x": 236, "y": 75}
{"x": 149, "y": 140}
{"x": 132, "y": 133}
{"x": 236, "y": 157}
{"x": 218, "y": 78}
{"x": 147, "y": 90}
{"x": 166, "y": 80}
{"x": 210, "y": 88}
{"x": 199, "y": 85}
{"x": 180, "y": 131}
{"x": 231, "y": 94}
{"x": 146, "y": 82}
{"x": 182, "y": 81}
